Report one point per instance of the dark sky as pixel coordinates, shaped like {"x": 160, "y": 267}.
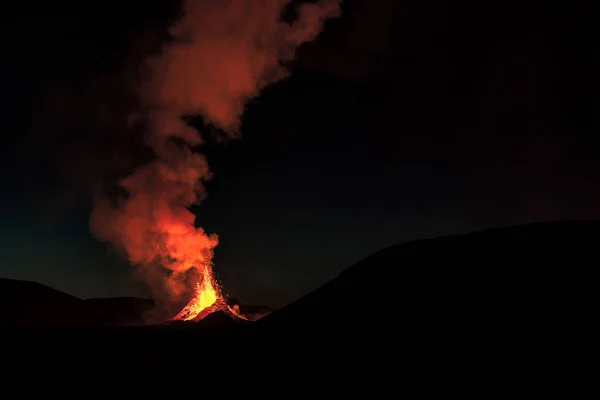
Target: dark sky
{"x": 403, "y": 120}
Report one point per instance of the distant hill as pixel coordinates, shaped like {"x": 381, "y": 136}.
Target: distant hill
{"x": 25, "y": 303}
{"x": 31, "y": 304}
{"x": 116, "y": 311}
{"x": 495, "y": 290}
{"x": 514, "y": 301}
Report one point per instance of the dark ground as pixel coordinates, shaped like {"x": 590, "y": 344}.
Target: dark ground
{"x": 32, "y": 305}
{"x": 507, "y": 304}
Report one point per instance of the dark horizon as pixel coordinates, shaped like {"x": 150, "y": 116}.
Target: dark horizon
{"x": 401, "y": 121}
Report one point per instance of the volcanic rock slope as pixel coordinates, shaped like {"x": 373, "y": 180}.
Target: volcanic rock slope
{"x": 492, "y": 290}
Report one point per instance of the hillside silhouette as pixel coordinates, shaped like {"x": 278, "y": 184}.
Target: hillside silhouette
{"x": 26, "y": 304}
{"x": 517, "y": 269}
{"x": 32, "y": 305}
{"x": 484, "y": 298}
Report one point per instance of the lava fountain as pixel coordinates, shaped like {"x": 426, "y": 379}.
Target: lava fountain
{"x": 206, "y": 298}
{"x": 220, "y": 55}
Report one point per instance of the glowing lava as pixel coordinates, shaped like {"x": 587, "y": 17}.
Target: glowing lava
{"x": 205, "y": 295}
{"x": 205, "y": 300}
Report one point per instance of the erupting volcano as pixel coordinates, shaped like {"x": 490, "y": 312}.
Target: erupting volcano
{"x": 206, "y": 299}
{"x": 219, "y": 56}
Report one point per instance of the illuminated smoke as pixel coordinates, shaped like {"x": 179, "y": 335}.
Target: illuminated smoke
{"x": 222, "y": 54}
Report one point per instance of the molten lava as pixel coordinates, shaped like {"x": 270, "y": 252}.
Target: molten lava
{"x": 206, "y": 299}
{"x": 221, "y": 55}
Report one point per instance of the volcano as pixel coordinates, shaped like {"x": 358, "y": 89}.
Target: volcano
{"x": 31, "y": 305}
{"x": 206, "y": 299}
{"x": 487, "y": 308}
{"x": 194, "y": 311}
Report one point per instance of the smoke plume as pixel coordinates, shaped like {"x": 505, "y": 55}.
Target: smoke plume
{"x": 222, "y": 53}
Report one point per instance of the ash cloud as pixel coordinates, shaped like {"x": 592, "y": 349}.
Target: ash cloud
{"x": 222, "y": 53}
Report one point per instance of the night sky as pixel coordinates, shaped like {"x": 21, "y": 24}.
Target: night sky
{"x": 403, "y": 120}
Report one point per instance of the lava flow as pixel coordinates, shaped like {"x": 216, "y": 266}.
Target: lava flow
{"x": 206, "y": 299}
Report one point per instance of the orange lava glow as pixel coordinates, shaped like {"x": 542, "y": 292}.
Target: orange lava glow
{"x": 205, "y": 300}
{"x": 222, "y": 55}
{"x": 204, "y": 296}
{"x": 235, "y": 310}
